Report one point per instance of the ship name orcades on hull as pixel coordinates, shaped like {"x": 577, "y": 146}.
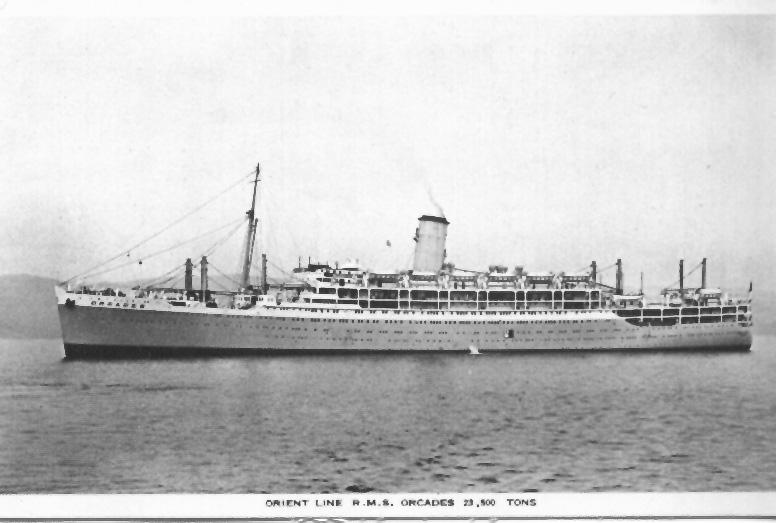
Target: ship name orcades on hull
{"x": 433, "y": 307}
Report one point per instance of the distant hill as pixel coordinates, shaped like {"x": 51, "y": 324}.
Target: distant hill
{"x": 28, "y": 307}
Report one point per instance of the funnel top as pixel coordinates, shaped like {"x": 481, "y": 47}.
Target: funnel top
{"x": 431, "y": 218}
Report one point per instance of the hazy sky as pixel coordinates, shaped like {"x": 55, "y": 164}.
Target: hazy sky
{"x": 548, "y": 141}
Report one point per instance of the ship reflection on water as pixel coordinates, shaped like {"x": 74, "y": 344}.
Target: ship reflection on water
{"x": 410, "y": 422}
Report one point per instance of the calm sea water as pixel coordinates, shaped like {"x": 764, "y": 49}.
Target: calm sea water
{"x": 503, "y": 423}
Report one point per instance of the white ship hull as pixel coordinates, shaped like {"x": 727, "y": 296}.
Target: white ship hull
{"x": 116, "y": 331}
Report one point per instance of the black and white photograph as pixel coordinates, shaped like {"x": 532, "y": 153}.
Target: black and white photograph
{"x": 387, "y": 255}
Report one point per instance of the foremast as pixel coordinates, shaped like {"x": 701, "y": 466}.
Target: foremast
{"x": 250, "y": 237}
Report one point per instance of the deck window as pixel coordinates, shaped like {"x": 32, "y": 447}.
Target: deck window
{"x": 383, "y": 294}
{"x": 385, "y": 304}
{"x": 539, "y": 296}
{"x": 463, "y": 295}
{"x": 424, "y": 304}
{"x": 574, "y": 305}
{"x": 424, "y": 295}
{"x": 347, "y": 293}
{"x": 501, "y": 296}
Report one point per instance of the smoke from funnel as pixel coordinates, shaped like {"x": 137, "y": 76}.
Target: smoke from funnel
{"x": 435, "y": 203}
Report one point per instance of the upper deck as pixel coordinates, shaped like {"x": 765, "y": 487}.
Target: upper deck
{"x": 499, "y": 291}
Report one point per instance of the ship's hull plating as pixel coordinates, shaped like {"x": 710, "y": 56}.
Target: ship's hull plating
{"x": 103, "y": 332}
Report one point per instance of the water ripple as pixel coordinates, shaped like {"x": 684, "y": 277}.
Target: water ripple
{"x": 361, "y": 424}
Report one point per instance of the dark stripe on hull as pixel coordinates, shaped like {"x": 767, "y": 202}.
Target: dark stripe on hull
{"x": 80, "y": 351}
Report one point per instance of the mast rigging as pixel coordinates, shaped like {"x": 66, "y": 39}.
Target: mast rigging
{"x": 250, "y": 237}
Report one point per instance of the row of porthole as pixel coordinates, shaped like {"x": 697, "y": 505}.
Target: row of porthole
{"x": 467, "y": 312}
{"x": 411, "y": 322}
{"x": 117, "y": 304}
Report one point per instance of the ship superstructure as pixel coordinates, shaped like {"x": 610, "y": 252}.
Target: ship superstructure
{"x": 433, "y": 306}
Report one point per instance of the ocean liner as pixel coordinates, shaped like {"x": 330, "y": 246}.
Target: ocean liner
{"x": 433, "y": 306}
